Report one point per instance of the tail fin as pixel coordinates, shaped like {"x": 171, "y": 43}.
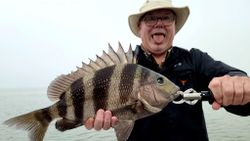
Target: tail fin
{"x": 35, "y": 122}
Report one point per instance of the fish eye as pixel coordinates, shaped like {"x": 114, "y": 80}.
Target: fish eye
{"x": 160, "y": 80}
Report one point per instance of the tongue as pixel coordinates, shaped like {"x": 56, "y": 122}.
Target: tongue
{"x": 158, "y": 38}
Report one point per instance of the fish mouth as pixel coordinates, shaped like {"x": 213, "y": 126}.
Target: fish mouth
{"x": 162, "y": 99}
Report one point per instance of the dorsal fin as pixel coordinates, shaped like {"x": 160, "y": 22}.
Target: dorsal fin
{"x": 87, "y": 68}
{"x": 100, "y": 61}
{"x": 107, "y": 59}
{"x": 58, "y": 86}
{"x": 94, "y": 65}
{"x": 130, "y": 56}
{"x": 113, "y": 55}
{"x": 121, "y": 54}
{"x": 63, "y": 82}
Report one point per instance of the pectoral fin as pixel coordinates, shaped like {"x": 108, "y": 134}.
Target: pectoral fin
{"x": 123, "y": 129}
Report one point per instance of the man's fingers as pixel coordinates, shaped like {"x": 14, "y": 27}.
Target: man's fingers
{"x": 230, "y": 90}
{"x": 98, "y": 124}
{"x": 227, "y": 90}
{"x": 107, "y": 120}
{"x": 216, "y": 106}
{"x": 103, "y": 120}
{"x": 239, "y": 91}
{"x": 89, "y": 124}
{"x": 246, "y": 97}
{"x": 215, "y": 87}
{"x": 114, "y": 121}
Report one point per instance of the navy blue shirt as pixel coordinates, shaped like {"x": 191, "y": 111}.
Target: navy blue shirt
{"x": 187, "y": 69}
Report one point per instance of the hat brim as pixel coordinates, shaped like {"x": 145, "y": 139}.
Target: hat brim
{"x": 182, "y": 14}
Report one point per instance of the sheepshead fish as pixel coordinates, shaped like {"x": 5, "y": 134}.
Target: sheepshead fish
{"x": 113, "y": 82}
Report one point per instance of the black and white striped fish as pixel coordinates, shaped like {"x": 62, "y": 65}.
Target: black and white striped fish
{"x": 113, "y": 82}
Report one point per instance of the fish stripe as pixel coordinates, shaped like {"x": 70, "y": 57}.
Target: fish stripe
{"x": 144, "y": 74}
{"x": 46, "y": 115}
{"x": 101, "y": 83}
{"x": 78, "y": 97}
{"x": 61, "y": 106}
{"x": 126, "y": 82}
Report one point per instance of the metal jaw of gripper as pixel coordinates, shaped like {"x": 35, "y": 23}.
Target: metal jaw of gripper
{"x": 191, "y": 97}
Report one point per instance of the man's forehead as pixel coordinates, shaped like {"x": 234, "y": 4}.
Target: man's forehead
{"x": 160, "y": 11}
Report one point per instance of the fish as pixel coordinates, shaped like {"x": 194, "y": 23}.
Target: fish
{"x": 114, "y": 81}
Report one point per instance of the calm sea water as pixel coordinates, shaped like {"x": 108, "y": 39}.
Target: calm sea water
{"x": 222, "y": 126}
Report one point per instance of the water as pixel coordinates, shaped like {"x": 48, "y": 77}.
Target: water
{"x": 221, "y": 124}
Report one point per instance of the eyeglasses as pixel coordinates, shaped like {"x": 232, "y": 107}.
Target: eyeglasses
{"x": 151, "y": 20}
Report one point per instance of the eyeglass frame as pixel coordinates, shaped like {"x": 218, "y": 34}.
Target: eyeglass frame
{"x": 142, "y": 18}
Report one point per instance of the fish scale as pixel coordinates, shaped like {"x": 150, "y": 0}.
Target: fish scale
{"x": 113, "y": 82}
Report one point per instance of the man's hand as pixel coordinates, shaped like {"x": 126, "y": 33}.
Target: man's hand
{"x": 103, "y": 120}
{"x": 230, "y": 90}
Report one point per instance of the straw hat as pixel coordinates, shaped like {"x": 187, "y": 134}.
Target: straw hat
{"x": 150, "y": 5}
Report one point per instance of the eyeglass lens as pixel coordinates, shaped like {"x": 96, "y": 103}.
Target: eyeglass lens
{"x": 151, "y": 20}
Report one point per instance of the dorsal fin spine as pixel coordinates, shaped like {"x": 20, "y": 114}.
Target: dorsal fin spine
{"x": 113, "y": 55}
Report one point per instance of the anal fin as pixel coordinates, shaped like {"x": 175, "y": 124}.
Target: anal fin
{"x": 65, "y": 124}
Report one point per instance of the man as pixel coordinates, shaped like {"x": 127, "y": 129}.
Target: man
{"x": 156, "y": 24}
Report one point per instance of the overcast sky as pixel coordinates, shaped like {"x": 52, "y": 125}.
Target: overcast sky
{"x": 41, "y": 39}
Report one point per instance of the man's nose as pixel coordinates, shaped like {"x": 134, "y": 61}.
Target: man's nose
{"x": 159, "y": 22}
